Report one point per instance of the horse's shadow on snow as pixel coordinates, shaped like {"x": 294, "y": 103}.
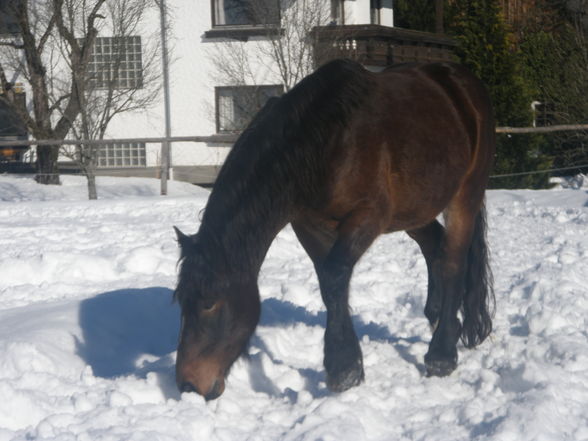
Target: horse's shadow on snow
{"x": 135, "y": 332}
{"x": 131, "y": 332}
{"x": 281, "y": 313}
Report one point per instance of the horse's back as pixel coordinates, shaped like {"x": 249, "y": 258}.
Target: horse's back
{"x": 419, "y": 132}
{"x": 438, "y": 114}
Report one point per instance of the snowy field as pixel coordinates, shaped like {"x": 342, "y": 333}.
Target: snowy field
{"x": 88, "y": 330}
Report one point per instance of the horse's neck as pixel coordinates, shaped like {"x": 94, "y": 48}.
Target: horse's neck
{"x": 253, "y": 198}
{"x": 238, "y": 234}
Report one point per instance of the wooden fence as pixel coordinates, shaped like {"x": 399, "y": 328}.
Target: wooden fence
{"x": 229, "y": 139}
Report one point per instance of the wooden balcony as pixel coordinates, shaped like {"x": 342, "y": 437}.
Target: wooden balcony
{"x": 380, "y": 46}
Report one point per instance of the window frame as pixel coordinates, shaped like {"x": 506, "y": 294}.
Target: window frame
{"x": 16, "y": 127}
{"x": 119, "y": 155}
{"x": 215, "y": 24}
{"x": 338, "y": 12}
{"x": 279, "y": 88}
{"x": 375, "y": 12}
{"x": 133, "y": 77}
{"x": 244, "y": 31}
{"x": 9, "y": 26}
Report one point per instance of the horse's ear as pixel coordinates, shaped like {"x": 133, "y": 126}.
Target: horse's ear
{"x": 186, "y": 242}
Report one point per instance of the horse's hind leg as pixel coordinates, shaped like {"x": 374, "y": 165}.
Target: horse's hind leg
{"x": 429, "y": 239}
{"x": 449, "y": 278}
{"x": 343, "y": 358}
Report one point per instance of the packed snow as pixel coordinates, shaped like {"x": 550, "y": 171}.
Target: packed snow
{"x": 88, "y": 328}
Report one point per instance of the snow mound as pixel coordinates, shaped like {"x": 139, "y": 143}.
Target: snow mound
{"x": 21, "y": 188}
{"x": 88, "y": 328}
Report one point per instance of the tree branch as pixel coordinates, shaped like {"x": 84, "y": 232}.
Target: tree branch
{"x": 79, "y": 57}
{"x": 47, "y": 34}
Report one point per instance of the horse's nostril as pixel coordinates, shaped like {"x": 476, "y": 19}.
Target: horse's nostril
{"x": 215, "y": 391}
{"x": 187, "y": 387}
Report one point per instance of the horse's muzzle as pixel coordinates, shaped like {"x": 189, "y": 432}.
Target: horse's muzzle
{"x": 213, "y": 393}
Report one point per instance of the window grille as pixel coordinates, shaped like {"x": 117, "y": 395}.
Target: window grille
{"x": 116, "y": 62}
{"x": 126, "y": 154}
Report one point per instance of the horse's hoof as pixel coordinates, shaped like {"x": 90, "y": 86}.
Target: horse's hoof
{"x": 439, "y": 368}
{"x": 346, "y": 379}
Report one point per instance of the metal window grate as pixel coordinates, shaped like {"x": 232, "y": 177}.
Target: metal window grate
{"x": 116, "y": 62}
{"x": 118, "y": 155}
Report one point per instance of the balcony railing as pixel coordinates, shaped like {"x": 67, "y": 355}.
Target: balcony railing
{"x": 380, "y": 46}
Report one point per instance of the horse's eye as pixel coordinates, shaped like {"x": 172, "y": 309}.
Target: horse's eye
{"x": 208, "y": 305}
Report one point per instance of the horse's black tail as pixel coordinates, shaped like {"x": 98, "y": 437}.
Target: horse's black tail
{"x": 478, "y": 301}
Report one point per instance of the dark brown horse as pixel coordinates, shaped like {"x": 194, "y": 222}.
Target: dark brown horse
{"x": 345, "y": 156}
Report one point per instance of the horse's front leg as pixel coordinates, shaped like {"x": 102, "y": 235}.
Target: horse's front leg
{"x": 343, "y": 358}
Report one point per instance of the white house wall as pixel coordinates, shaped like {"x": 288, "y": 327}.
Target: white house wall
{"x": 193, "y": 78}
{"x": 192, "y": 97}
{"x": 359, "y": 12}
{"x": 356, "y": 11}
{"x": 192, "y": 85}
{"x": 387, "y": 13}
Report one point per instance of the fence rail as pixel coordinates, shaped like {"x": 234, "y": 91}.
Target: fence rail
{"x": 544, "y": 129}
{"x": 164, "y": 172}
{"x": 229, "y": 138}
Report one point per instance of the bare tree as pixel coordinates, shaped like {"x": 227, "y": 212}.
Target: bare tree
{"x": 291, "y": 45}
{"x": 52, "y": 52}
{"x": 129, "y": 81}
{"x": 40, "y": 24}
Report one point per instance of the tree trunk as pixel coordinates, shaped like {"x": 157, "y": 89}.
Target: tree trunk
{"x": 90, "y": 171}
{"x": 92, "y": 193}
{"x": 47, "y": 169}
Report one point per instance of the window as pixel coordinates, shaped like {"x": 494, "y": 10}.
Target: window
{"x": 126, "y": 154}
{"x": 236, "y": 105}
{"x": 375, "y": 6}
{"x": 8, "y": 21}
{"x": 337, "y": 12}
{"x": 245, "y": 12}
{"x": 116, "y": 62}
{"x": 11, "y": 124}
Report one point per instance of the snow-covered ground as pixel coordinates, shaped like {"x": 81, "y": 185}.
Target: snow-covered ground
{"x": 88, "y": 330}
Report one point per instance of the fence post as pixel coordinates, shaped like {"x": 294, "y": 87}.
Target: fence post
{"x": 165, "y": 146}
{"x": 164, "y": 167}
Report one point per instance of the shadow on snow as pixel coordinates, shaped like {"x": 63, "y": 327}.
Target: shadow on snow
{"x": 131, "y": 331}
{"x": 135, "y": 332}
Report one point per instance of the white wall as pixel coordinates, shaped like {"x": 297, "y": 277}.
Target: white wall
{"x": 193, "y": 78}
{"x": 387, "y": 13}
{"x": 359, "y": 12}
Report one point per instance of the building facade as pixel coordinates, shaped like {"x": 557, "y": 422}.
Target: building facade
{"x": 226, "y": 59}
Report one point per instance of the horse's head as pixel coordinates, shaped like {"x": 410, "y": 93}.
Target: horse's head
{"x": 219, "y": 316}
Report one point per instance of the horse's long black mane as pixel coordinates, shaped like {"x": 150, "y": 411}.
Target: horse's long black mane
{"x": 278, "y": 158}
